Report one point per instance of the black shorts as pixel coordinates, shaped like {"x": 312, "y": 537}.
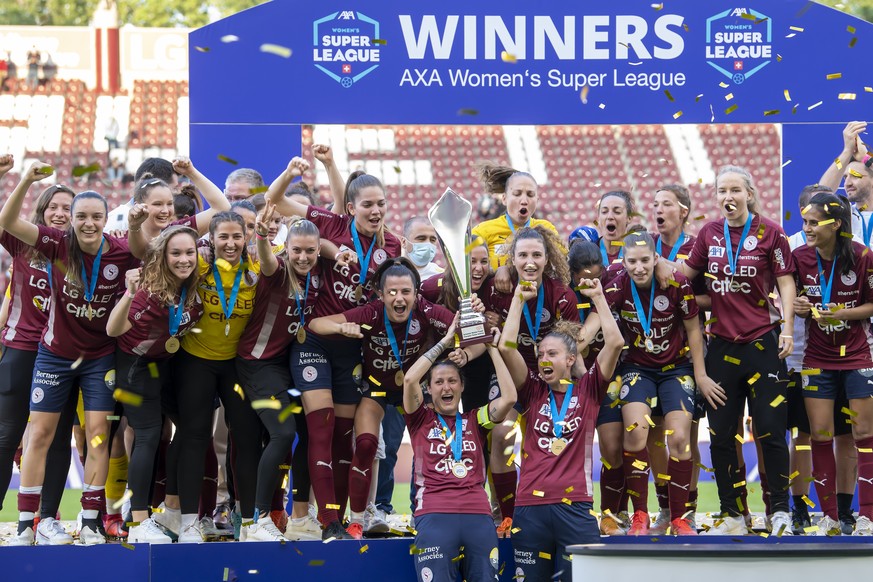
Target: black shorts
{"x": 262, "y": 379}
{"x": 328, "y": 364}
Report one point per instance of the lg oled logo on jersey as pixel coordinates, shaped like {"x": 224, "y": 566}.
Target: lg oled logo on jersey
{"x": 346, "y": 46}
{"x": 739, "y": 43}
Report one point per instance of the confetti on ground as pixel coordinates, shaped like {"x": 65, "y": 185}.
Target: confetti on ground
{"x": 276, "y": 49}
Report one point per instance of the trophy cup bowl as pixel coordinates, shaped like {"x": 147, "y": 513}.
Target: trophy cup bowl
{"x": 450, "y": 217}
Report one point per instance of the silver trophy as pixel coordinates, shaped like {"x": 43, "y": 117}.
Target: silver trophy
{"x": 450, "y": 217}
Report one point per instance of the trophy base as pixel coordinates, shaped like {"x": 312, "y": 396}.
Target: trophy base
{"x": 473, "y": 334}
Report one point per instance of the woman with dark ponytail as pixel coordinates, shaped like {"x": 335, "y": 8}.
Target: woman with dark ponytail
{"x": 836, "y": 299}
{"x": 74, "y": 351}
{"x": 327, "y": 369}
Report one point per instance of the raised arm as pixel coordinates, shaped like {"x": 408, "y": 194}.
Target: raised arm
{"x": 276, "y": 192}
{"x": 613, "y": 342}
{"x": 7, "y": 161}
{"x": 218, "y": 202}
{"x": 269, "y": 262}
{"x": 412, "y": 395}
{"x": 509, "y": 338}
{"x": 118, "y": 323}
{"x": 324, "y": 154}
{"x": 136, "y": 238}
{"x": 10, "y": 215}
{"x": 837, "y": 168}
{"x": 500, "y": 406}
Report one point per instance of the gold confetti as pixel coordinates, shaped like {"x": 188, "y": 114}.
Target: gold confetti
{"x": 276, "y": 49}
{"x": 731, "y": 109}
{"x": 153, "y": 370}
{"x": 677, "y": 115}
{"x": 808, "y": 501}
{"x": 316, "y": 562}
{"x": 663, "y": 477}
{"x": 739, "y": 484}
{"x": 238, "y": 389}
{"x": 669, "y": 96}
{"x": 771, "y": 112}
{"x": 754, "y": 378}
{"x": 79, "y": 171}
{"x": 365, "y": 327}
{"x": 127, "y": 546}
{"x": 202, "y": 49}
{"x": 113, "y": 418}
{"x": 468, "y": 112}
{"x": 729, "y": 96}
{"x": 833, "y": 76}
{"x": 732, "y": 360}
{"x": 649, "y": 420}
{"x": 853, "y": 42}
{"x": 508, "y": 57}
{"x": 380, "y": 41}
{"x": 229, "y": 38}
{"x": 865, "y": 450}
{"x": 848, "y": 411}
{"x": 803, "y": 448}
{"x": 97, "y": 440}
{"x": 127, "y": 495}
{"x": 374, "y": 381}
{"x": 230, "y": 161}
{"x": 658, "y": 7}
{"x": 538, "y": 493}
{"x": 77, "y": 363}
{"x": 126, "y": 397}
{"x": 846, "y": 96}
{"x": 476, "y": 242}
{"x": 776, "y": 402}
{"x": 378, "y": 394}
{"x": 810, "y": 372}
{"x": 739, "y": 438}
{"x": 583, "y": 95}
{"x": 605, "y": 464}
{"x": 364, "y": 548}
{"x": 723, "y": 85}
{"x": 545, "y": 556}
{"x": 850, "y": 29}
{"x": 629, "y": 428}
{"x": 331, "y": 506}
{"x": 511, "y": 345}
{"x": 268, "y": 403}
{"x": 795, "y": 28}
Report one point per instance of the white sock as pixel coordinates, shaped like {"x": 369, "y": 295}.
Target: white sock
{"x": 188, "y": 519}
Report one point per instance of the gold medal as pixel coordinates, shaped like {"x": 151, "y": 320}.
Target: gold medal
{"x": 301, "y": 335}
{"x": 227, "y": 329}
{"x": 359, "y": 293}
{"x": 398, "y": 378}
{"x": 172, "y": 345}
{"x": 650, "y": 345}
{"x": 459, "y": 470}
{"x": 557, "y": 446}
{"x": 89, "y": 312}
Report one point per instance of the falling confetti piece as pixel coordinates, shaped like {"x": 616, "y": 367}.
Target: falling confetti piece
{"x": 658, "y": 6}
{"x": 792, "y": 35}
{"x": 676, "y": 115}
{"x": 848, "y": 411}
{"x": 380, "y": 41}
{"x": 77, "y": 363}
{"x": 847, "y": 96}
{"x": 202, "y": 49}
{"x": 776, "y": 402}
{"x": 584, "y": 94}
{"x": 79, "y": 171}
{"x": 669, "y": 96}
{"x": 698, "y": 98}
{"x": 468, "y": 112}
{"x": 602, "y": 105}
{"x": 238, "y": 389}
{"x": 97, "y": 440}
{"x": 833, "y": 76}
{"x": 853, "y": 42}
{"x": 813, "y": 106}
{"x": 126, "y": 397}
{"x": 127, "y": 546}
{"x": 771, "y": 112}
{"x": 538, "y": 493}
{"x": 127, "y": 495}
{"x": 230, "y": 161}
{"x": 729, "y": 96}
{"x": 731, "y": 109}
{"x": 229, "y": 38}
{"x": 316, "y": 562}
{"x": 754, "y": 378}
{"x": 266, "y": 403}
{"x": 276, "y": 49}
{"x": 508, "y": 57}
{"x": 732, "y": 360}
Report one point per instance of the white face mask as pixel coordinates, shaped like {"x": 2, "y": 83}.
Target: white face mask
{"x": 422, "y": 253}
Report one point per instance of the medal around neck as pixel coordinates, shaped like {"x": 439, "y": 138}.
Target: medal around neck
{"x": 450, "y": 217}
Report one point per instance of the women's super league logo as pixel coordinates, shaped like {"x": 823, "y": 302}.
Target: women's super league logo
{"x": 347, "y": 46}
{"x": 738, "y": 43}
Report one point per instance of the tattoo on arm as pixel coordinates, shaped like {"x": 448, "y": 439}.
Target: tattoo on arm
{"x": 416, "y": 399}
{"x": 433, "y": 353}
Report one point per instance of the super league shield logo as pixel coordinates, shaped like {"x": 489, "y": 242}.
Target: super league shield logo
{"x": 738, "y": 43}
{"x": 347, "y": 46}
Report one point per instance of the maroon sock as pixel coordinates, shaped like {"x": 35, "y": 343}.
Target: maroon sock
{"x": 765, "y": 493}
{"x": 865, "y": 476}
{"x": 692, "y": 500}
{"x": 159, "y": 490}
{"x": 611, "y": 488}
{"x": 209, "y": 487}
{"x": 662, "y": 492}
{"x": 361, "y": 474}
{"x": 342, "y": 452}
{"x": 28, "y": 502}
{"x": 637, "y": 479}
{"x": 320, "y": 424}
{"x": 17, "y": 458}
{"x": 680, "y": 482}
{"x": 504, "y": 489}
{"x": 95, "y": 500}
{"x": 824, "y": 473}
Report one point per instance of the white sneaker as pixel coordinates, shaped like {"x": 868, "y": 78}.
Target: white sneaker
{"x": 263, "y": 530}
{"x": 25, "y": 538}
{"x": 375, "y": 520}
{"x": 50, "y": 532}
{"x": 169, "y": 519}
{"x": 661, "y": 523}
{"x": 828, "y": 527}
{"x": 148, "y": 532}
{"x": 313, "y": 512}
{"x": 863, "y": 527}
{"x": 89, "y": 536}
{"x": 727, "y": 526}
{"x": 691, "y": 518}
{"x": 780, "y": 524}
{"x": 624, "y": 520}
{"x": 303, "y": 528}
{"x": 209, "y": 531}
{"x": 190, "y": 534}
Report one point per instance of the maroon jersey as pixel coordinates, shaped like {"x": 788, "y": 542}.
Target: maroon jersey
{"x": 559, "y": 303}
{"x": 29, "y": 300}
{"x": 429, "y": 323}
{"x": 841, "y": 345}
{"x": 431, "y": 287}
{"x": 547, "y": 478}
{"x": 670, "y": 307}
{"x": 151, "y": 325}
{"x": 275, "y": 318}
{"x": 742, "y": 305}
{"x": 684, "y": 248}
{"x": 438, "y": 489}
{"x": 69, "y": 333}
{"x": 341, "y": 282}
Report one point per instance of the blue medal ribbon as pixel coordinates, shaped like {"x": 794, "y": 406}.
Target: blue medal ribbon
{"x": 512, "y": 226}
{"x": 826, "y": 286}
{"x": 582, "y": 311}
{"x": 867, "y": 227}
{"x": 392, "y": 339}
{"x": 365, "y": 265}
{"x": 534, "y": 328}
{"x": 645, "y": 321}
{"x": 675, "y": 249}
{"x": 731, "y": 257}
{"x": 457, "y": 438}
{"x": 302, "y": 308}
{"x": 558, "y": 417}
{"x": 227, "y": 306}
{"x": 91, "y": 284}
{"x": 603, "y": 252}
{"x": 176, "y": 312}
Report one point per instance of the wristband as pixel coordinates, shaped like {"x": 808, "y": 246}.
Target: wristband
{"x": 130, "y": 295}
{"x": 134, "y": 229}
{"x": 260, "y": 235}
{"x": 868, "y": 160}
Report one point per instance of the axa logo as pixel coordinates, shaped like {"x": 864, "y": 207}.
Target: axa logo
{"x": 739, "y": 43}
{"x": 347, "y": 46}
